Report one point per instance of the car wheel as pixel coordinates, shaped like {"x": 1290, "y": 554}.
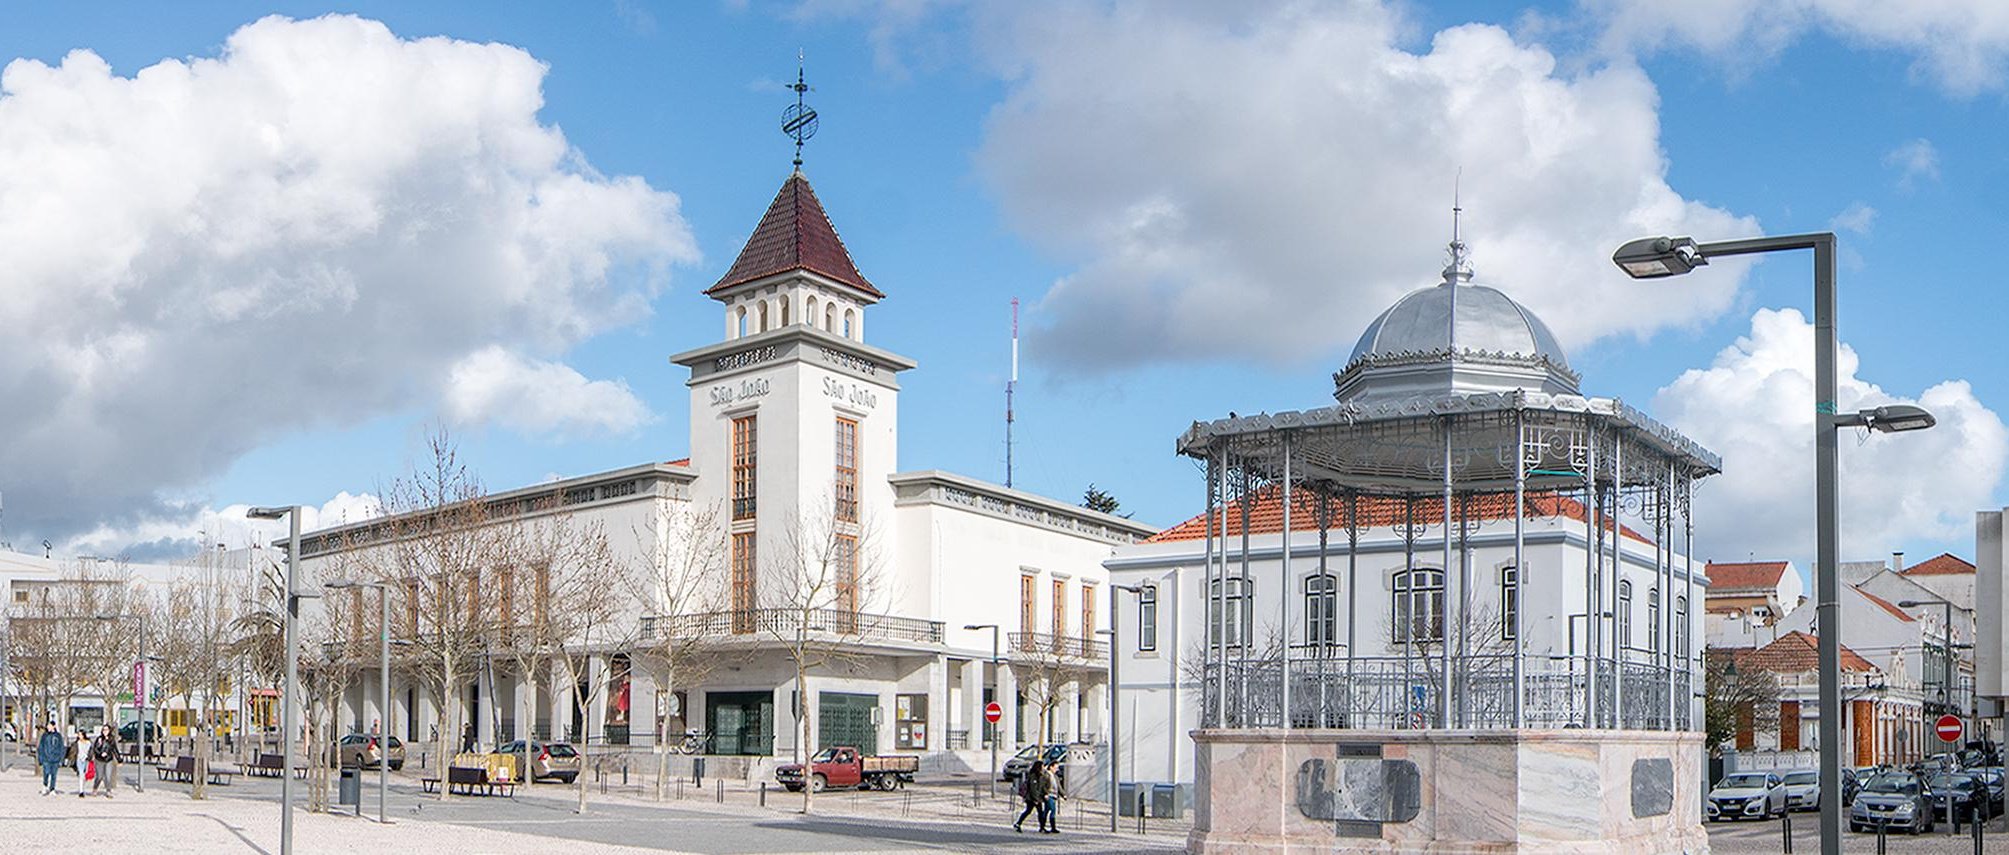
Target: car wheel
{"x": 817, "y": 783}
{"x": 569, "y": 778}
{"x": 793, "y": 788}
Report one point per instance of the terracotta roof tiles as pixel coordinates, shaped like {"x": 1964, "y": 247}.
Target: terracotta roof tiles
{"x": 1733, "y": 577}
{"x": 1945, "y": 564}
{"x": 1886, "y": 605}
{"x": 1797, "y": 652}
{"x": 795, "y": 234}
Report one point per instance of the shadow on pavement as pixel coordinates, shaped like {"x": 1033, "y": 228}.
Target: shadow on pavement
{"x": 978, "y": 839}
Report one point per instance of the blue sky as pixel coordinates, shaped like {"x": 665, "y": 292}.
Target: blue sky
{"x": 948, "y": 135}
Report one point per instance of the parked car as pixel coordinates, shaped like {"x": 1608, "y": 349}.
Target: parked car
{"x": 129, "y": 733}
{"x": 1747, "y": 794}
{"x": 1022, "y": 761}
{"x": 845, "y": 767}
{"x": 1892, "y": 799}
{"x": 360, "y": 750}
{"x": 1803, "y": 790}
{"x": 1963, "y": 792}
{"x": 1993, "y": 778}
{"x": 556, "y": 760}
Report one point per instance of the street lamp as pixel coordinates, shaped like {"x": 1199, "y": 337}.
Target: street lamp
{"x": 383, "y": 686}
{"x": 1946, "y": 677}
{"x": 139, "y": 693}
{"x": 288, "y": 693}
{"x": 995, "y": 694}
{"x": 1655, "y": 257}
{"x": 1115, "y": 727}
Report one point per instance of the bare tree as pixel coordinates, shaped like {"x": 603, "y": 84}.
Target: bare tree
{"x": 811, "y": 598}
{"x": 681, "y": 573}
{"x": 335, "y": 646}
{"x": 1045, "y": 666}
{"x": 1737, "y": 697}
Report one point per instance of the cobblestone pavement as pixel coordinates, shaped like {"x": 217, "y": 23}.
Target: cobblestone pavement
{"x": 1737, "y": 838}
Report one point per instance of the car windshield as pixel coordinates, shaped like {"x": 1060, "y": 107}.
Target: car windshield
{"x": 1901, "y": 784}
{"x": 1804, "y": 778}
{"x": 1952, "y": 782}
{"x": 1744, "y": 782}
{"x": 563, "y": 750}
{"x": 824, "y": 755}
{"x": 1027, "y": 753}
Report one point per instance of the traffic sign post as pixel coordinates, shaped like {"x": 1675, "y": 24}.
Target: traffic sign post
{"x": 993, "y": 712}
{"x": 1949, "y": 728}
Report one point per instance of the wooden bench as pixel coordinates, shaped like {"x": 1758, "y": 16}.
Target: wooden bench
{"x": 273, "y": 766}
{"x": 471, "y": 781}
{"x": 184, "y": 770}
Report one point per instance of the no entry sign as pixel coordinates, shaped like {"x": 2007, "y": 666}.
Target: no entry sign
{"x": 993, "y": 712}
{"x": 1948, "y": 727}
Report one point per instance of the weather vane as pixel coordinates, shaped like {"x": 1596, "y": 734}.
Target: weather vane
{"x": 799, "y": 120}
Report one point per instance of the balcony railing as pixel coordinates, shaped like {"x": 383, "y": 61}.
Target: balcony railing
{"x": 1065, "y": 647}
{"x": 786, "y": 623}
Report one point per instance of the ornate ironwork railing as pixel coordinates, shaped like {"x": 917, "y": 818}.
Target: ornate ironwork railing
{"x": 1063, "y": 646}
{"x": 787, "y": 623}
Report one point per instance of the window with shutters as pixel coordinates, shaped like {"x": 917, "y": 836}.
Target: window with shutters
{"x": 846, "y": 499}
{"x": 1028, "y": 586}
{"x": 744, "y": 593}
{"x": 1147, "y": 617}
{"x": 745, "y": 458}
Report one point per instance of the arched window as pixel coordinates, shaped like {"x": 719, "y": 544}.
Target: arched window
{"x": 830, "y": 317}
{"x": 1321, "y": 616}
{"x": 1419, "y": 605}
{"x": 1510, "y": 601}
{"x": 1624, "y": 614}
{"x": 785, "y": 301}
{"x": 739, "y": 322}
{"x": 1240, "y": 612}
{"x": 1147, "y": 617}
{"x": 1653, "y": 619}
{"x": 763, "y": 316}
{"x": 850, "y": 323}
{"x": 809, "y": 311}
{"x": 1681, "y": 626}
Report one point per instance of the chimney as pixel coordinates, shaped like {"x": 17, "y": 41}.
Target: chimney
{"x": 1897, "y": 562}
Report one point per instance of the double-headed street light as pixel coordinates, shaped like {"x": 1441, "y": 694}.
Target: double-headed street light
{"x": 384, "y": 686}
{"x": 1655, "y": 257}
{"x": 994, "y": 692}
{"x": 1115, "y": 728}
{"x": 288, "y": 693}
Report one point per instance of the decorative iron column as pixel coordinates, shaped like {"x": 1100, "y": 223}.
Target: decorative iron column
{"x": 1520, "y": 565}
{"x": 1284, "y": 600}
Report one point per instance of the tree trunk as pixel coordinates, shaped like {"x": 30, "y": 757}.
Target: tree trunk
{"x": 663, "y": 730}
{"x": 528, "y": 775}
{"x": 802, "y": 752}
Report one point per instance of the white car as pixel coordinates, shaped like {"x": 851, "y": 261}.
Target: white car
{"x": 1755, "y": 795}
{"x": 1803, "y": 790}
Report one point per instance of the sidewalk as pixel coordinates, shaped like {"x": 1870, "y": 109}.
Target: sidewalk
{"x": 165, "y": 820}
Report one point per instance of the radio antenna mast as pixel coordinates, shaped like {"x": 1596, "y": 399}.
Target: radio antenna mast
{"x": 1011, "y": 385}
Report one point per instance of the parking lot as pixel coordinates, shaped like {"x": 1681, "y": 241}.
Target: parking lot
{"x": 1753, "y": 836}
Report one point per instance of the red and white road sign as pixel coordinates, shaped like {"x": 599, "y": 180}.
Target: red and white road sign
{"x": 993, "y": 712}
{"x": 1948, "y": 727}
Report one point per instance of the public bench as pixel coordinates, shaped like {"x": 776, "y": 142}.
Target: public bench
{"x": 471, "y": 781}
{"x": 273, "y": 766}
{"x": 184, "y": 770}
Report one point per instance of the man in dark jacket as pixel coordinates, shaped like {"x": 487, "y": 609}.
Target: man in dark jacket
{"x": 1032, "y": 789}
{"x": 49, "y": 752}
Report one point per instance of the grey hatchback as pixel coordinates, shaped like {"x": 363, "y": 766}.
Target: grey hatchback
{"x": 1893, "y": 800}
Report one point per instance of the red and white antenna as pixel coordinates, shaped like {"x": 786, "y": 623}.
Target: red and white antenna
{"x": 1011, "y": 385}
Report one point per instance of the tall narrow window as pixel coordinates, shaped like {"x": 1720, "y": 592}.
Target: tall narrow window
{"x": 785, "y": 303}
{"x": 1028, "y": 586}
{"x": 1147, "y": 617}
{"x": 1681, "y": 626}
{"x": 1240, "y": 609}
{"x": 846, "y": 561}
{"x": 846, "y": 499}
{"x": 1087, "y": 610}
{"x": 1321, "y": 600}
{"x": 1419, "y": 605}
{"x": 763, "y": 316}
{"x": 1510, "y": 601}
{"x": 1624, "y": 614}
{"x": 1653, "y": 619}
{"x": 1059, "y": 608}
{"x": 745, "y": 460}
{"x": 745, "y": 596}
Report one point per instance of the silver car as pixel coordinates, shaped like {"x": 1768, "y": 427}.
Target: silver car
{"x": 1756, "y": 795}
{"x": 1803, "y": 790}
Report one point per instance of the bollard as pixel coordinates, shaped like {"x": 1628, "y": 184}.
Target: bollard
{"x": 624, "y": 771}
{"x": 1882, "y": 827}
{"x": 1978, "y": 833}
{"x": 763, "y": 794}
{"x": 906, "y": 803}
{"x": 721, "y": 790}
{"x": 680, "y": 789}
{"x": 1786, "y": 828}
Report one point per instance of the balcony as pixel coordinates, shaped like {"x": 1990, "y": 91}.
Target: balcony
{"x": 1040, "y": 644}
{"x": 786, "y": 623}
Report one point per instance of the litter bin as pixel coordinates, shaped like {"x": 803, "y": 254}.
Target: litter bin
{"x": 350, "y": 790}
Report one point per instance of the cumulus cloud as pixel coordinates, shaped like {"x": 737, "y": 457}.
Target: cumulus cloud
{"x": 1962, "y": 45}
{"x": 1916, "y": 160}
{"x": 1261, "y": 183}
{"x": 1754, "y": 406}
{"x": 314, "y": 227}
{"x": 1858, "y": 217}
{"x": 182, "y": 530}
{"x": 534, "y": 396}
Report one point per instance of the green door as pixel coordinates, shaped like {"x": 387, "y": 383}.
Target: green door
{"x": 740, "y": 722}
{"x": 846, "y": 719}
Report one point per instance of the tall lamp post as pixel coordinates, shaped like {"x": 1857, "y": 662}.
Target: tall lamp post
{"x": 383, "y": 733}
{"x": 994, "y": 691}
{"x": 1115, "y": 725}
{"x": 144, "y": 668}
{"x": 289, "y": 692}
{"x": 1655, "y": 257}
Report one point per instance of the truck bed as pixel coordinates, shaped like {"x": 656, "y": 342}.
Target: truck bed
{"x": 893, "y": 763}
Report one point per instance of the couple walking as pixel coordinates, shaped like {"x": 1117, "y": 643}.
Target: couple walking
{"x": 96, "y": 760}
{"x": 1040, "y": 791}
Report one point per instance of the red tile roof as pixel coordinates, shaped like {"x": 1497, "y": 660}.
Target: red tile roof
{"x": 1885, "y": 604}
{"x": 1736, "y": 577}
{"x": 794, "y": 235}
{"x": 1266, "y": 514}
{"x": 681, "y": 461}
{"x": 1797, "y": 652}
{"x": 1945, "y": 564}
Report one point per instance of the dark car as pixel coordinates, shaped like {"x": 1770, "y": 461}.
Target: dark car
{"x": 1021, "y": 761}
{"x": 1891, "y": 799}
{"x": 1993, "y": 778}
{"x": 129, "y": 734}
{"x": 1963, "y": 792}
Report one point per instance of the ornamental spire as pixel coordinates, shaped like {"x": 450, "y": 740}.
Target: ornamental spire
{"x": 798, "y": 121}
{"x": 1460, "y": 268}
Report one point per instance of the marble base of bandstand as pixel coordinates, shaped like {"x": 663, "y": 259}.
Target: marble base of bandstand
{"x": 1449, "y": 792}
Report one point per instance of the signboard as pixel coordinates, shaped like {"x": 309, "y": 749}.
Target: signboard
{"x": 993, "y": 712}
{"x": 139, "y": 681}
{"x": 1949, "y": 728}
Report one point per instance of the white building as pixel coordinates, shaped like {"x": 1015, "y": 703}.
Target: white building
{"x": 795, "y": 426}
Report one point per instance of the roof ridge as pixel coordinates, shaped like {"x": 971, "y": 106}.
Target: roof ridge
{"x": 794, "y": 234}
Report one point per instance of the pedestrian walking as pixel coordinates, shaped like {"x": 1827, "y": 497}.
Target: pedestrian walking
{"x": 1032, "y": 791}
{"x": 49, "y": 753}
{"x": 105, "y": 753}
{"x": 1051, "y": 815}
{"x": 80, "y": 754}
{"x": 467, "y": 739}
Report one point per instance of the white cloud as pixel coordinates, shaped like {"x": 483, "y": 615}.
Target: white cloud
{"x": 1915, "y": 160}
{"x": 1263, "y": 182}
{"x": 310, "y": 229}
{"x": 179, "y": 531}
{"x": 1754, "y": 406}
{"x": 494, "y": 385}
{"x": 1963, "y": 45}
{"x": 1858, "y": 217}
